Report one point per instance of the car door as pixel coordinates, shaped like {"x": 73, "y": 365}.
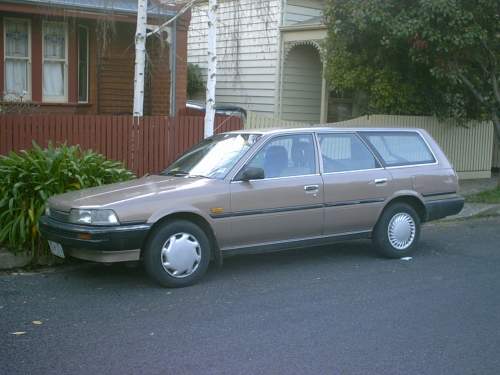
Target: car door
{"x": 287, "y": 204}
{"x": 355, "y": 184}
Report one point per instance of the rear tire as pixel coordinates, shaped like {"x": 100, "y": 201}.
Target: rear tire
{"x": 177, "y": 254}
{"x": 397, "y": 232}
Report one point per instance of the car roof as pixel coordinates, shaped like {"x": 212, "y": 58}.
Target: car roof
{"x": 320, "y": 129}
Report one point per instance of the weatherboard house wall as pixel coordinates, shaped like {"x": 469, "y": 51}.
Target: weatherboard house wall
{"x": 247, "y": 51}
{"x": 252, "y": 53}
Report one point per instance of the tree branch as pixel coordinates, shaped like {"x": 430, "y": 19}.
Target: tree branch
{"x": 179, "y": 13}
{"x": 477, "y": 94}
{"x": 471, "y": 87}
{"x": 490, "y": 52}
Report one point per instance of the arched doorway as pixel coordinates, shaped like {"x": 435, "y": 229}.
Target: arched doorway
{"x": 302, "y": 84}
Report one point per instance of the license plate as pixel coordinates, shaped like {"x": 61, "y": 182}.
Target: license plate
{"x": 56, "y": 249}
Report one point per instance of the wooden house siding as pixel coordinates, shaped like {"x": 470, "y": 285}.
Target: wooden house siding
{"x": 301, "y": 93}
{"x": 116, "y": 72}
{"x": 247, "y": 48}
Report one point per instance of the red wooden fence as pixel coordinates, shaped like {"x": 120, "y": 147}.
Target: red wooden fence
{"x": 145, "y": 147}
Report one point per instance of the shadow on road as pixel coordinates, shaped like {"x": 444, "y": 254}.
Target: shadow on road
{"x": 293, "y": 261}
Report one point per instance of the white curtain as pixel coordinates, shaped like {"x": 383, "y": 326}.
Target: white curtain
{"x": 54, "y": 50}
{"x": 16, "y": 55}
{"x": 53, "y": 79}
{"x": 16, "y": 82}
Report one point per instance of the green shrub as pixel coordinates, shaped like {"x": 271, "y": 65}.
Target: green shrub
{"x": 30, "y": 177}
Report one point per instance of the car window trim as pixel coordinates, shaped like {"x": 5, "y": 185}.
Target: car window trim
{"x": 270, "y": 139}
{"x": 276, "y": 178}
{"x": 354, "y": 171}
{"x": 381, "y": 166}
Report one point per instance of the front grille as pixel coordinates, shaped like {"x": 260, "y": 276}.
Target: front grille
{"x": 59, "y": 215}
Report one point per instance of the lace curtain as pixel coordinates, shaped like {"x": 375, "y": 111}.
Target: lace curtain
{"x": 16, "y": 57}
{"x": 54, "y": 53}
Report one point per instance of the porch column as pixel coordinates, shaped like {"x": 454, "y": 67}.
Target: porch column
{"x": 324, "y": 97}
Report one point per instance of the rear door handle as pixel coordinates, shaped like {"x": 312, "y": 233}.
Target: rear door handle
{"x": 380, "y": 181}
{"x": 311, "y": 187}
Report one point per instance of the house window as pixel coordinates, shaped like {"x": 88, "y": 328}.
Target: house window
{"x": 17, "y": 59}
{"x": 83, "y": 64}
{"x": 55, "y": 62}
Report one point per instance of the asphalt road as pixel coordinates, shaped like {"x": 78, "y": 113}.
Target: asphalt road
{"x": 336, "y": 310}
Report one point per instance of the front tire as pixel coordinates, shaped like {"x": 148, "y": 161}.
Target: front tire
{"x": 177, "y": 254}
{"x": 397, "y": 232}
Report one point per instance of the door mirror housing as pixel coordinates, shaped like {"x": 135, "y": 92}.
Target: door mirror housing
{"x": 252, "y": 173}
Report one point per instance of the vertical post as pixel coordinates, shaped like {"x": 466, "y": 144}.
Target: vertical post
{"x": 140, "y": 57}
{"x": 212, "y": 68}
{"x": 172, "y": 42}
{"x": 324, "y": 97}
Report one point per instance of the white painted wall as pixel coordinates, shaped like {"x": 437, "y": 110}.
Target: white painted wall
{"x": 247, "y": 51}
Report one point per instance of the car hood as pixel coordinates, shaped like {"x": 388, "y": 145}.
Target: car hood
{"x": 107, "y": 196}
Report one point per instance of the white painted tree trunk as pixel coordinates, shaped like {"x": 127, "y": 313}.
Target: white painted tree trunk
{"x": 140, "y": 57}
{"x": 212, "y": 68}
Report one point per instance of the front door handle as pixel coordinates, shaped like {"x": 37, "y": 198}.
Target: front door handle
{"x": 311, "y": 188}
{"x": 380, "y": 181}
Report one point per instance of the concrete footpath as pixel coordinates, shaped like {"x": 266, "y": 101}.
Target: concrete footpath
{"x": 475, "y": 209}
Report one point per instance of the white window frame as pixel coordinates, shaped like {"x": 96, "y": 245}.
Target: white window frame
{"x": 5, "y": 95}
{"x": 88, "y": 62}
{"x": 63, "y": 98}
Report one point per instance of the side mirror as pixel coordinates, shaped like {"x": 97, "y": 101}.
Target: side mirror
{"x": 252, "y": 173}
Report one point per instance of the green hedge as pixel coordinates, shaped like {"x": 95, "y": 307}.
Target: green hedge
{"x": 30, "y": 177}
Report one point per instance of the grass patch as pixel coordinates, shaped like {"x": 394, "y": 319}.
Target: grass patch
{"x": 488, "y": 196}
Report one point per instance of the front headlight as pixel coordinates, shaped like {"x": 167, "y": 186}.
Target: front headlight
{"x": 93, "y": 217}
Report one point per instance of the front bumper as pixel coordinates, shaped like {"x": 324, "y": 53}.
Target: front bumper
{"x": 96, "y": 243}
{"x": 439, "y": 208}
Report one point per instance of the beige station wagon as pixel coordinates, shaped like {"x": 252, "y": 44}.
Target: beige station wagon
{"x": 258, "y": 191}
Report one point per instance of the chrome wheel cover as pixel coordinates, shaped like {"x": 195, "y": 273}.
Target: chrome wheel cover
{"x": 401, "y": 231}
{"x": 181, "y": 255}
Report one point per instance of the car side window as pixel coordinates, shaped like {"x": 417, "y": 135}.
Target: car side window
{"x": 399, "y": 148}
{"x": 287, "y": 156}
{"x": 345, "y": 152}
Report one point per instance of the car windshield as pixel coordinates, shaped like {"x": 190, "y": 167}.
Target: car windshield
{"x": 213, "y": 157}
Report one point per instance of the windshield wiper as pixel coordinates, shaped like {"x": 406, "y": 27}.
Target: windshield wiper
{"x": 175, "y": 173}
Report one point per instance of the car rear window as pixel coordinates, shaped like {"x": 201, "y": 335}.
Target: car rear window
{"x": 400, "y": 148}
